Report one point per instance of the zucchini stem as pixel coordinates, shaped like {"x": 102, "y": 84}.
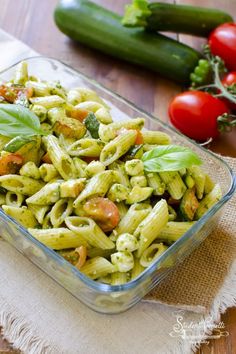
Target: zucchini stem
{"x": 136, "y": 14}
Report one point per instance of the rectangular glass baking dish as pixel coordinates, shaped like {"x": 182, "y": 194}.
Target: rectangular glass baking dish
{"x": 102, "y": 297}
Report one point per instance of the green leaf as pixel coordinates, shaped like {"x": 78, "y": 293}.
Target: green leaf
{"x": 17, "y": 120}
{"x": 169, "y": 158}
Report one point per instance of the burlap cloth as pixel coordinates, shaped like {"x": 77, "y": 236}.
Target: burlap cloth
{"x": 39, "y": 316}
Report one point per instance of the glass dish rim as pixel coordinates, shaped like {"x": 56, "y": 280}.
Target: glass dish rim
{"x": 106, "y": 288}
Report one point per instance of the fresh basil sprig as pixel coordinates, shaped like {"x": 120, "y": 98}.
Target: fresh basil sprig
{"x": 17, "y": 120}
{"x": 169, "y": 158}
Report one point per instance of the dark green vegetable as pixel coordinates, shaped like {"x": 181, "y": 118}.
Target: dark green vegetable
{"x": 101, "y": 29}
{"x": 16, "y": 143}
{"x": 92, "y": 124}
{"x": 3, "y": 190}
{"x": 189, "y": 205}
{"x": 135, "y": 152}
{"x": 198, "y": 21}
{"x": 169, "y": 158}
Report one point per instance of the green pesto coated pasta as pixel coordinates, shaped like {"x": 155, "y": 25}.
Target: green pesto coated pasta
{"x": 47, "y": 195}
{"x": 60, "y": 158}
{"x": 87, "y": 229}
{"x": 58, "y": 238}
{"x": 20, "y": 184}
{"x": 149, "y": 229}
{"x": 22, "y": 214}
{"x": 98, "y": 185}
{"x": 117, "y": 147}
{"x": 97, "y": 267}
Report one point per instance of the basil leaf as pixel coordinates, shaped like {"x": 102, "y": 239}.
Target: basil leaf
{"x": 18, "y": 120}
{"x": 169, "y": 158}
{"x": 16, "y": 143}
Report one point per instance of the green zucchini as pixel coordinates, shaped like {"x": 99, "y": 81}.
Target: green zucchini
{"x": 101, "y": 29}
{"x": 92, "y": 124}
{"x": 198, "y": 21}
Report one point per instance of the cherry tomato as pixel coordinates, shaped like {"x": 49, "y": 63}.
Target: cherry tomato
{"x": 195, "y": 114}
{"x": 10, "y": 164}
{"x": 8, "y": 94}
{"x": 104, "y": 212}
{"x": 228, "y": 80}
{"x": 222, "y": 41}
{"x": 11, "y": 93}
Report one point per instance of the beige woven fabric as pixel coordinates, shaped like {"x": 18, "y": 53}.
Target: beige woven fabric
{"x": 195, "y": 282}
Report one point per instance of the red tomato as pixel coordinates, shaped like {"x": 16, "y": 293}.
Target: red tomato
{"x": 222, "y": 41}
{"x": 229, "y": 80}
{"x": 104, "y": 212}
{"x": 195, "y": 114}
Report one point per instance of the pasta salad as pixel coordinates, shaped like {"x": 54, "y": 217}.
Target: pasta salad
{"x": 110, "y": 197}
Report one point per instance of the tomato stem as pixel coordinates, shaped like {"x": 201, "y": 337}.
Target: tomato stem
{"x": 226, "y": 122}
{"x": 218, "y": 84}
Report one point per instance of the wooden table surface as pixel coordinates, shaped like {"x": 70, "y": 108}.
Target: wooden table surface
{"x": 32, "y": 22}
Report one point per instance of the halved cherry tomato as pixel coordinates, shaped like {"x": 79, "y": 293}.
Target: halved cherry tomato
{"x": 222, "y": 42}
{"x": 228, "y": 80}
{"x": 10, "y": 164}
{"x": 78, "y": 113}
{"x": 104, "y": 212}
{"x": 139, "y": 139}
{"x": 46, "y": 158}
{"x": 11, "y": 93}
{"x": 8, "y": 94}
{"x": 195, "y": 114}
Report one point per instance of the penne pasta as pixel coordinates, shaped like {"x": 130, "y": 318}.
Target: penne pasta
{"x": 58, "y": 238}
{"x": 60, "y": 211}
{"x": 85, "y": 227}
{"x": 60, "y": 159}
{"x": 97, "y": 267}
{"x": 20, "y": 184}
{"x": 14, "y": 199}
{"x": 117, "y": 147}
{"x": 22, "y": 214}
{"x": 149, "y": 229}
{"x": 97, "y": 186}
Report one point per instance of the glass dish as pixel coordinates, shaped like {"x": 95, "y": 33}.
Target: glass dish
{"x": 102, "y": 297}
